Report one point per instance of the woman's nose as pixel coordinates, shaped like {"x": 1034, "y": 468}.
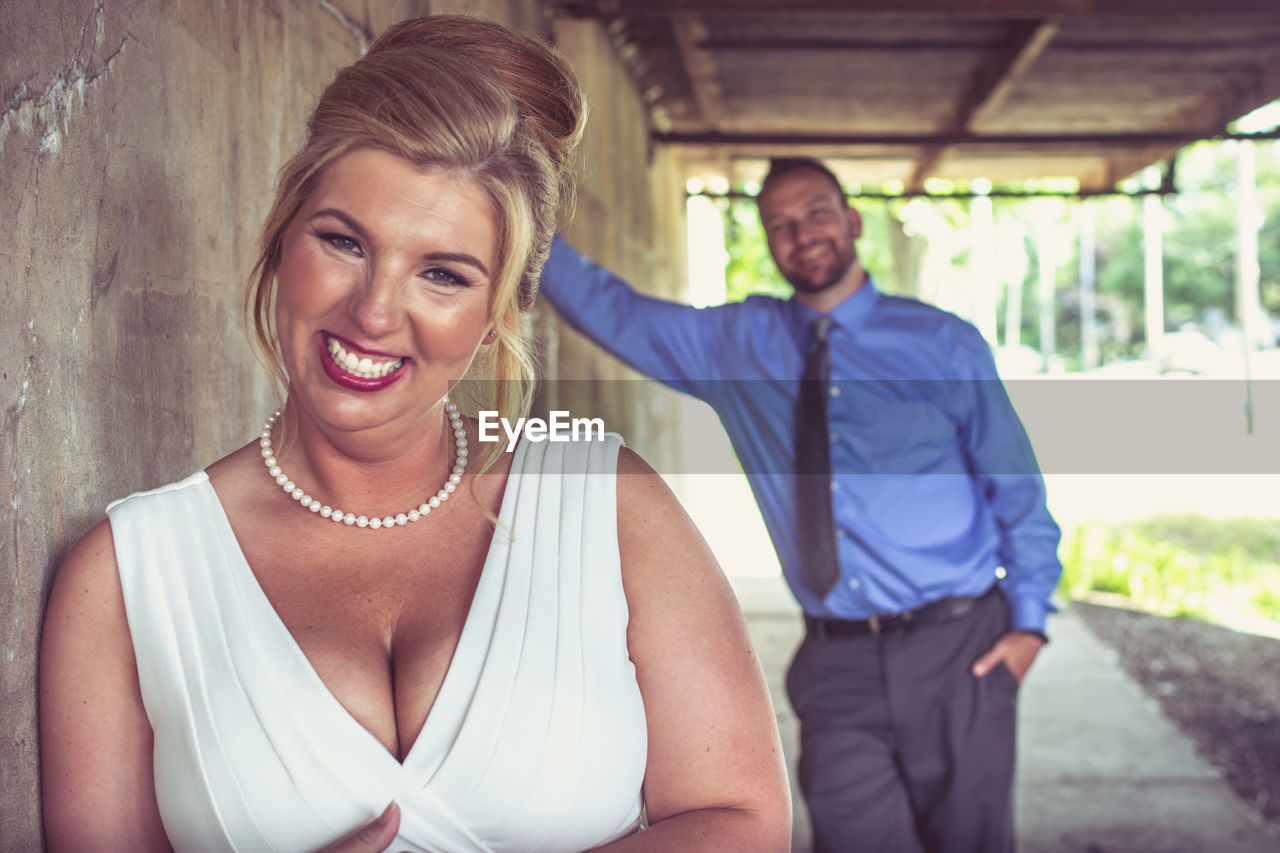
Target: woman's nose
{"x": 377, "y": 305}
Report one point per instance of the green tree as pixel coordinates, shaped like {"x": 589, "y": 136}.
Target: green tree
{"x": 1199, "y": 250}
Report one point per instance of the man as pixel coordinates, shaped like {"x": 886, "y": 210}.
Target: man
{"x": 915, "y": 536}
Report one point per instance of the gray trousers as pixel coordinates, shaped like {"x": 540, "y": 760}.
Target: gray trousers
{"x": 902, "y": 750}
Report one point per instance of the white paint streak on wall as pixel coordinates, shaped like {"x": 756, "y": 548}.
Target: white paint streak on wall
{"x": 358, "y": 32}
{"x": 49, "y": 111}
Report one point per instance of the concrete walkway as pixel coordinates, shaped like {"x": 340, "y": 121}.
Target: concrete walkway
{"x": 1100, "y": 770}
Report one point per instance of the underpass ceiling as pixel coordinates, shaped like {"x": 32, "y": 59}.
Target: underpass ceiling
{"x": 897, "y": 93}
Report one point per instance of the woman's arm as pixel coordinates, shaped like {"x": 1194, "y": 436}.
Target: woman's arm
{"x": 97, "y": 783}
{"x": 715, "y": 778}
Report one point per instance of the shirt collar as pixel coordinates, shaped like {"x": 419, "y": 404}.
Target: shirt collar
{"x": 849, "y": 315}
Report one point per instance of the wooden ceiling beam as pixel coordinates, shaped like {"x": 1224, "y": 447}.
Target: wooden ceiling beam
{"x": 700, "y": 65}
{"x": 969, "y": 140}
{"x": 1013, "y": 9}
{"x": 1088, "y": 189}
{"x": 775, "y": 44}
{"x": 1008, "y": 70}
{"x": 989, "y": 87}
{"x": 1219, "y": 109}
{"x": 1260, "y": 90}
{"x": 980, "y": 8}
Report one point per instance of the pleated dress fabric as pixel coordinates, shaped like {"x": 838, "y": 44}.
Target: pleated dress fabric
{"x": 536, "y": 740}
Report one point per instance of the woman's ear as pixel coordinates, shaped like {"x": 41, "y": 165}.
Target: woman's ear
{"x": 490, "y": 336}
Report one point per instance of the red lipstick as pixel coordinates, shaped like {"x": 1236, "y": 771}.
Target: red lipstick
{"x": 351, "y": 381}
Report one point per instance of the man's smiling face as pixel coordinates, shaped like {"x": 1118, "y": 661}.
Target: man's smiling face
{"x": 811, "y": 231}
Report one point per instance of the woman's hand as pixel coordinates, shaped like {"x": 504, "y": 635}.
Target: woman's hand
{"x": 373, "y": 837}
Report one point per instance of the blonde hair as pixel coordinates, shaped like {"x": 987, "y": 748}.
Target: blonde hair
{"x": 478, "y": 101}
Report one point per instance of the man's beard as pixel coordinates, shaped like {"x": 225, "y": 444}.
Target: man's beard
{"x": 825, "y": 279}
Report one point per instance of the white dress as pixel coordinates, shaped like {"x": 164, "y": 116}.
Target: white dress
{"x": 536, "y": 741}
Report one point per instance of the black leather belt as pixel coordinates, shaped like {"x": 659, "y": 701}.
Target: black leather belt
{"x": 932, "y": 613}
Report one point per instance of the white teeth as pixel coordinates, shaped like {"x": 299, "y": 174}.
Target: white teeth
{"x": 365, "y": 367}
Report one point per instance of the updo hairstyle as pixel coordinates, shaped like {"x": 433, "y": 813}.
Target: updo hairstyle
{"x": 480, "y": 102}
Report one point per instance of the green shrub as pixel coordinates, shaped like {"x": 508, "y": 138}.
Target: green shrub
{"x": 1179, "y": 565}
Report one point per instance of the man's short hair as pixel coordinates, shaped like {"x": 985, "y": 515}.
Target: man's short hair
{"x": 780, "y": 166}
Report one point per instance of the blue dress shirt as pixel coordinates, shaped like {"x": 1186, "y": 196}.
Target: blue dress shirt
{"x": 934, "y": 483}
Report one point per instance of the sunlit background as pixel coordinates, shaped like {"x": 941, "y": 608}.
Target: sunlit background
{"x": 1180, "y": 511}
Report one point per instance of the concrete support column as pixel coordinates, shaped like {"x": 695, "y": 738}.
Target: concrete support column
{"x": 1015, "y": 273}
{"x": 1153, "y": 270}
{"x": 1248, "y": 223}
{"x": 1047, "y": 263}
{"x": 708, "y": 256}
{"x": 1088, "y": 215}
{"x": 982, "y": 264}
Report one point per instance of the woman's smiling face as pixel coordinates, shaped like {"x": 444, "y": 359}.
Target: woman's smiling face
{"x": 384, "y": 289}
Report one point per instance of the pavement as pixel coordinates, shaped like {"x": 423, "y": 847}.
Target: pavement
{"x": 1100, "y": 770}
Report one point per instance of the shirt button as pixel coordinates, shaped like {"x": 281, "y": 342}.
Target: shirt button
{"x": 853, "y": 583}
{"x": 834, "y": 436}
{"x": 835, "y": 390}
{"x": 833, "y": 485}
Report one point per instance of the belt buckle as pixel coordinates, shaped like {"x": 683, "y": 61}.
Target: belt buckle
{"x": 873, "y": 622}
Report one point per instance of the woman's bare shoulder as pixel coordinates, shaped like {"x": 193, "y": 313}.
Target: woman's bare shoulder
{"x": 713, "y": 738}
{"x": 95, "y": 739}
{"x": 646, "y": 503}
{"x": 661, "y": 548}
{"x": 639, "y": 483}
{"x": 85, "y": 620}
{"x": 89, "y": 568}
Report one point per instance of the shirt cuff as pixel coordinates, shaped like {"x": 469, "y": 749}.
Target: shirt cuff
{"x": 1030, "y": 614}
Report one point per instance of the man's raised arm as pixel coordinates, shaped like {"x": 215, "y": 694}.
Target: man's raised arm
{"x": 673, "y": 343}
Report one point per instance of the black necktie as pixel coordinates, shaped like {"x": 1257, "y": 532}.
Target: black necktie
{"x": 819, "y": 564}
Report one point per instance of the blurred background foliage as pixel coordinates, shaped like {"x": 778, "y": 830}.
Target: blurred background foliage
{"x": 1223, "y": 570}
{"x": 1198, "y": 235}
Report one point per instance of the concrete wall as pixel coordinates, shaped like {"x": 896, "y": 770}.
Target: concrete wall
{"x": 630, "y": 218}
{"x": 139, "y": 141}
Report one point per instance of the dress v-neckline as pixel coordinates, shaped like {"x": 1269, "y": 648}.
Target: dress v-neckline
{"x": 248, "y": 581}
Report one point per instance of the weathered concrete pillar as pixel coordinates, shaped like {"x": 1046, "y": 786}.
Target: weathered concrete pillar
{"x": 983, "y": 268}
{"x": 1248, "y": 222}
{"x": 1153, "y": 271}
{"x": 139, "y": 142}
{"x": 630, "y": 218}
{"x": 1047, "y": 266}
{"x": 1088, "y": 218}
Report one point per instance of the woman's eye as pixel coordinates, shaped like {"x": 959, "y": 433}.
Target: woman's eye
{"x": 343, "y": 243}
{"x": 441, "y": 275}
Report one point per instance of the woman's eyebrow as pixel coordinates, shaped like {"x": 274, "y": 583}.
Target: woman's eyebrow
{"x": 345, "y": 218}
{"x": 458, "y": 258}
{"x": 350, "y": 222}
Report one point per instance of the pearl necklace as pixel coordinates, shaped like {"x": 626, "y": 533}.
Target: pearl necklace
{"x": 348, "y": 518}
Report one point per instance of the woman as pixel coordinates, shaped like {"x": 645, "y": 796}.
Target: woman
{"x": 509, "y": 664}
